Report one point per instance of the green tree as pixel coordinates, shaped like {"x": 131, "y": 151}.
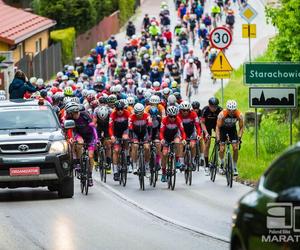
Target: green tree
{"x": 104, "y": 8}
{"x": 127, "y": 9}
{"x": 77, "y": 13}
{"x": 286, "y": 45}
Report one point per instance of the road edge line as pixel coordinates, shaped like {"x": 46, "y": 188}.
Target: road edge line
{"x": 164, "y": 218}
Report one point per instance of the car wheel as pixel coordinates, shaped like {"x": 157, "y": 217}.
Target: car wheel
{"x": 66, "y": 188}
{"x": 237, "y": 245}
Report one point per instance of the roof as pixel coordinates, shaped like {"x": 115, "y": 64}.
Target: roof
{"x": 16, "y": 25}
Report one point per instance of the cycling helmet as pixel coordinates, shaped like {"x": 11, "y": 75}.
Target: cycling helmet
{"x": 90, "y": 98}
{"x": 148, "y": 95}
{"x": 177, "y": 95}
{"x": 213, "y": 101}
{"x": 32, "y": 80}
{"x": 164, "y": 85}
{"x": 139, "y": 108}
{"x": 64, "y": 78}
{"x": 185, "y": 105}
{"x": 196, "y": 105}
{"x": 119, "y": 105}
{"x": 191, "y": 60}
{"x": 112, "y": 89}
{"x": 144, "y": 77}
{"x": 154, "y": 111}
{"x": 174, "y": 84}
{"x": 59, "y": 74}
{"x": 72, "y": 107}
{"x": 154, "y": 99}
{"x": 75, "y": 99}
{"x": 112, "y": 99}
{"x": 125, "y": 103}
{"x": 172, "y": 111}
{"x": 68, "y": 91}
{"x": 2, "y": 98}
{"x": 171, "y": 99}
{"x": 85, "y": 92}
{"x": 156, "y": 84}
{"x": 79, "y": 85}
{"x": 166, "y": 91}
{"x": 2, "y": 92}
{"x": 140, "y": 91}
{"x": 70, "y": 83}
{"x": 102, "y": 99}
{"x": 131, "y": 100}
{"x": 231, "y": 105}
{"x": 102, "y": 112}
{"x": 43, "y": 93}
{"x": 40, "y": 82}
{"x": 94, "y": 104}
{"x": 118, "y": 88}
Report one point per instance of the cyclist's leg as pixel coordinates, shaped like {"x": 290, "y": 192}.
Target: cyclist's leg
{"x": 107, "y": 145}
{"x": 223, "y": 139}
{"x": 165, "y": 151}
{"x": 179, "y": 152}
{"x": 116, "y": 151}
{"x": 126, "y": 137}
{"x": 234, "y": 138}
{"x": 158, "y": 152}
{"x": 207, "y": 146}
{"x": 134, "y": 156}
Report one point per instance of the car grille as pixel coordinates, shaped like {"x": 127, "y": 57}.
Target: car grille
{"x": 23, "y": 148}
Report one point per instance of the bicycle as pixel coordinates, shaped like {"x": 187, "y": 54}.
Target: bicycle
{"x": 213, "y": 161}
{"x": 188, "y": 172}
{"x": 171, "y": 169}
{"x": 102, "y": 162}
{"x": 84, "y": 169}
{"x": 197, "y": 157}
{"x": 122, "y": 163}
{"x": 153, "y": 166}
{"x": 141, "y": 164}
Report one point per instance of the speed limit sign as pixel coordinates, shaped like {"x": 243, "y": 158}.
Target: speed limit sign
{"x": 220, "y": 38}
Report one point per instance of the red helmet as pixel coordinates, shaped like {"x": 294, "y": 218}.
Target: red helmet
{"x": 130, "y": 81}
{"x": 164, "y": 85}
{"x": 94, "y": 104}
{"x": 116, "y": 81}
{"x": 107, "y": 87}
{"x": 90, "y": 98}
{"x": 54, "y": 90}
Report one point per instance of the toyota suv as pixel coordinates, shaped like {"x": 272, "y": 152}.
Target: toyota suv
{"x": 33, "y": 148}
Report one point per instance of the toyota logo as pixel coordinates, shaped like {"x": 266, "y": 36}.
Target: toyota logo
{"x": 23, "y": 148}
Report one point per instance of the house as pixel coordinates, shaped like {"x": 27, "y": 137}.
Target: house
{"x": 23, "y": 32}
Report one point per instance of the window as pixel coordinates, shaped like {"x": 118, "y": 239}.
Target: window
{"x": 284, "y": 174}
{"x": 38, "y": 45}
{"x": 20, "y": 50}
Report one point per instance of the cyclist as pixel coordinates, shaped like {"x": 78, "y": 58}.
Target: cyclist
{"x": 192, "y": 23}
{"x": 208, "y": 123}
{"x": 155, "y": 101}
{"x": 140, "y": 126}
{"x": 101, "y": 119}
{"x": 84, "y": 132}
{"x": 190, "y": 72}
{"x": 226, "y": 125}
{"x": 118, "y": 129}
{"x": 171, "y": 130}
{"x": 191, "y": 126}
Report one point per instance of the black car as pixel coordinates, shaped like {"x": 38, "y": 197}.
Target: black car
{"x": 33, "y": 148}
{"x": 268, "y": 217}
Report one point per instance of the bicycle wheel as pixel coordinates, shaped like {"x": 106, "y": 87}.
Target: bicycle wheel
{"x": 141, "y": 171}
{"x": 82, "y": 176}
{"x": 123, "y": 177}
{"x": 173, "y": 174}
{"x": 188, "y": 170}
{"x": 87, "y": 167}
{"x": 101, "y": 165}
{"x": 213, "y": 165}
{"x": 169, "y": 171}
{"x": 152, "y": 169}
{"x": 229, "y": 171}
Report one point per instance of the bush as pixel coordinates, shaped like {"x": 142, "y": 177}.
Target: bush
{"x": 67, "y": 39}
{"x": 127, "y": 9}
{"x": 104, "y": 8}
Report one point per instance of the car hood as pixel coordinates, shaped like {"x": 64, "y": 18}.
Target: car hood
{"x": 31, "y": 135}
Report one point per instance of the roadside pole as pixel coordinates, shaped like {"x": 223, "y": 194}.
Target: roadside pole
{"x": 256, "y": 134}
{"x": 291, "y": 126}
{"x": 222, "y": 90}
{"x": 249, "y": 42}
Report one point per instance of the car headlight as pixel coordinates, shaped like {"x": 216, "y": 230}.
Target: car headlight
{"x": 58, "y": 147}
{"x": 235, "y": 214}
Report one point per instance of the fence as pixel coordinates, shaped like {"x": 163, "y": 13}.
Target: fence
{"x": 102, "y": 31}
{"x": 44, "y": 65}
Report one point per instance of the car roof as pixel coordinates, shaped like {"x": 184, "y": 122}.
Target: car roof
{"x": 21, "y": 102}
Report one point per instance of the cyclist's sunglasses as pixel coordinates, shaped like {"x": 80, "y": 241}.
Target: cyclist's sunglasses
{"x": 172, "y": 116}
{"x": 185, "y": 110}
{"x": 119, "y": 109}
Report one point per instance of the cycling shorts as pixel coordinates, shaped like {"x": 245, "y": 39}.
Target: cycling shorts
{"x": 232, "y": 133}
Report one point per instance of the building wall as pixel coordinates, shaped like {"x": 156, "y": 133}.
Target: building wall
{"x": 29, "y": 44}
{"x": 3, "y": 46}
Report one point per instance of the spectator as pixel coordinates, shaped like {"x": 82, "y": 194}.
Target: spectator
{"x": 20, "y": 85}
{"x": 130, "y": 31}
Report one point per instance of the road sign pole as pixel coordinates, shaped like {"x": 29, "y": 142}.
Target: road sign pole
{"x": 256, "y": 134}
{"x": 222, "y": 90}
{"x": 291, "y": 127}
{"x": 249, "y": 42}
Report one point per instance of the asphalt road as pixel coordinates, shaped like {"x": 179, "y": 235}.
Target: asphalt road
{"x": 36, "y": 219}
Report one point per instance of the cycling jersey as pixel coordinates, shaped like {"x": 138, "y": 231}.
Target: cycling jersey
{"x": 189, "y": 71}
{"x": 118, "y": 124}
{"x": 154, "y": 30}
{"x": 102, "y": 125}
{"x": 169, "y": 130}
{"x": 160, "y": 108}
{"x": 191, "y": 124}
{"x": 141, "y": 127}
{"x": 229, "y": 121}
{"x": 210, "y": 118}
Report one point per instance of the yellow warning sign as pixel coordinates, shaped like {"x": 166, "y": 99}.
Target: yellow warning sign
{"x": 221, "y": 74}
{"x": 249, "y": 31}
{"x": 221, "y": 63}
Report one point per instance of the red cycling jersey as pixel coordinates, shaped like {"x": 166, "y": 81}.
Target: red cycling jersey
{"x": 118, "y": 124}
{"x": 140, "y": 126}
{"x": 170, "y": 129}
{"x": 190, "y": 122}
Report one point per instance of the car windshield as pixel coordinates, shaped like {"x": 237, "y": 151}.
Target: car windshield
{"x": 27, "y": 117}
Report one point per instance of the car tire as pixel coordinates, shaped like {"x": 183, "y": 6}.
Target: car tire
{"x": 66, "y": 188}
{"x": 53, "y": 188}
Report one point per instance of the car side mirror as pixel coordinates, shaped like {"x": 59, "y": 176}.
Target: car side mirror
{"x": 69, "y": 124}
{"x": 290, "y": 195}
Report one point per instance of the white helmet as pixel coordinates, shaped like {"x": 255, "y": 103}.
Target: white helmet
{"x": 64, "y": 77}
{"x": 112, "y": 89}
{"x": 79, "y": 85}
{"x": 72, "y": 107}
{"x": 85, "y": 92}
{"x": 131, "y": 100}
{"x": 191, "y": 60}
{"x": 32, "y": 80}
{"x": 172, "y": 99}
{"x": 147, "y": 95}
{"x": 118, "y": 88}
{"x": 2, "y": 98}
{"x": 98, "y": 66}
{"x": 102, "y": 112}
{"x": 156, "y": 84}
{"x": 70, "y": 83}
{"x": 185, "y": 105}
{"x": 138, "y": 108}
{"x": 75, "y": 99}
{"x": 70, "y": 68}
{"x": 154, "y": 99}
{"x": 2, "y": 92}
{"x": 40, "y": 82}
{"x": 231, "y": 105}
{"x": 166, "y": 91}
{"x": 59, "y": 74}
{"x": 172, "y": 110}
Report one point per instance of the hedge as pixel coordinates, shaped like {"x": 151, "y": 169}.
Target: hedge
{"x": 67, "y": 39}
{"x": 127, "y": 9}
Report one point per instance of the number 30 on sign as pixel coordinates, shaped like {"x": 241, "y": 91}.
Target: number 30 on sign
{"x": 220, "y": 38}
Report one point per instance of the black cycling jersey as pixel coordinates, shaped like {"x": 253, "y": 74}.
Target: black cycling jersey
{"x": 210, "y": 118}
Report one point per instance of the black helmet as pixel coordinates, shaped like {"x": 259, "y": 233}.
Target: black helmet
{"x": 102, "y": 99}
{"x": 196, "y": 105}
{"x": 43, "y": 93}
{"x": 119, "y": 105}
{"x": 177, "y": 95}
{"x": 213, "y": 101}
